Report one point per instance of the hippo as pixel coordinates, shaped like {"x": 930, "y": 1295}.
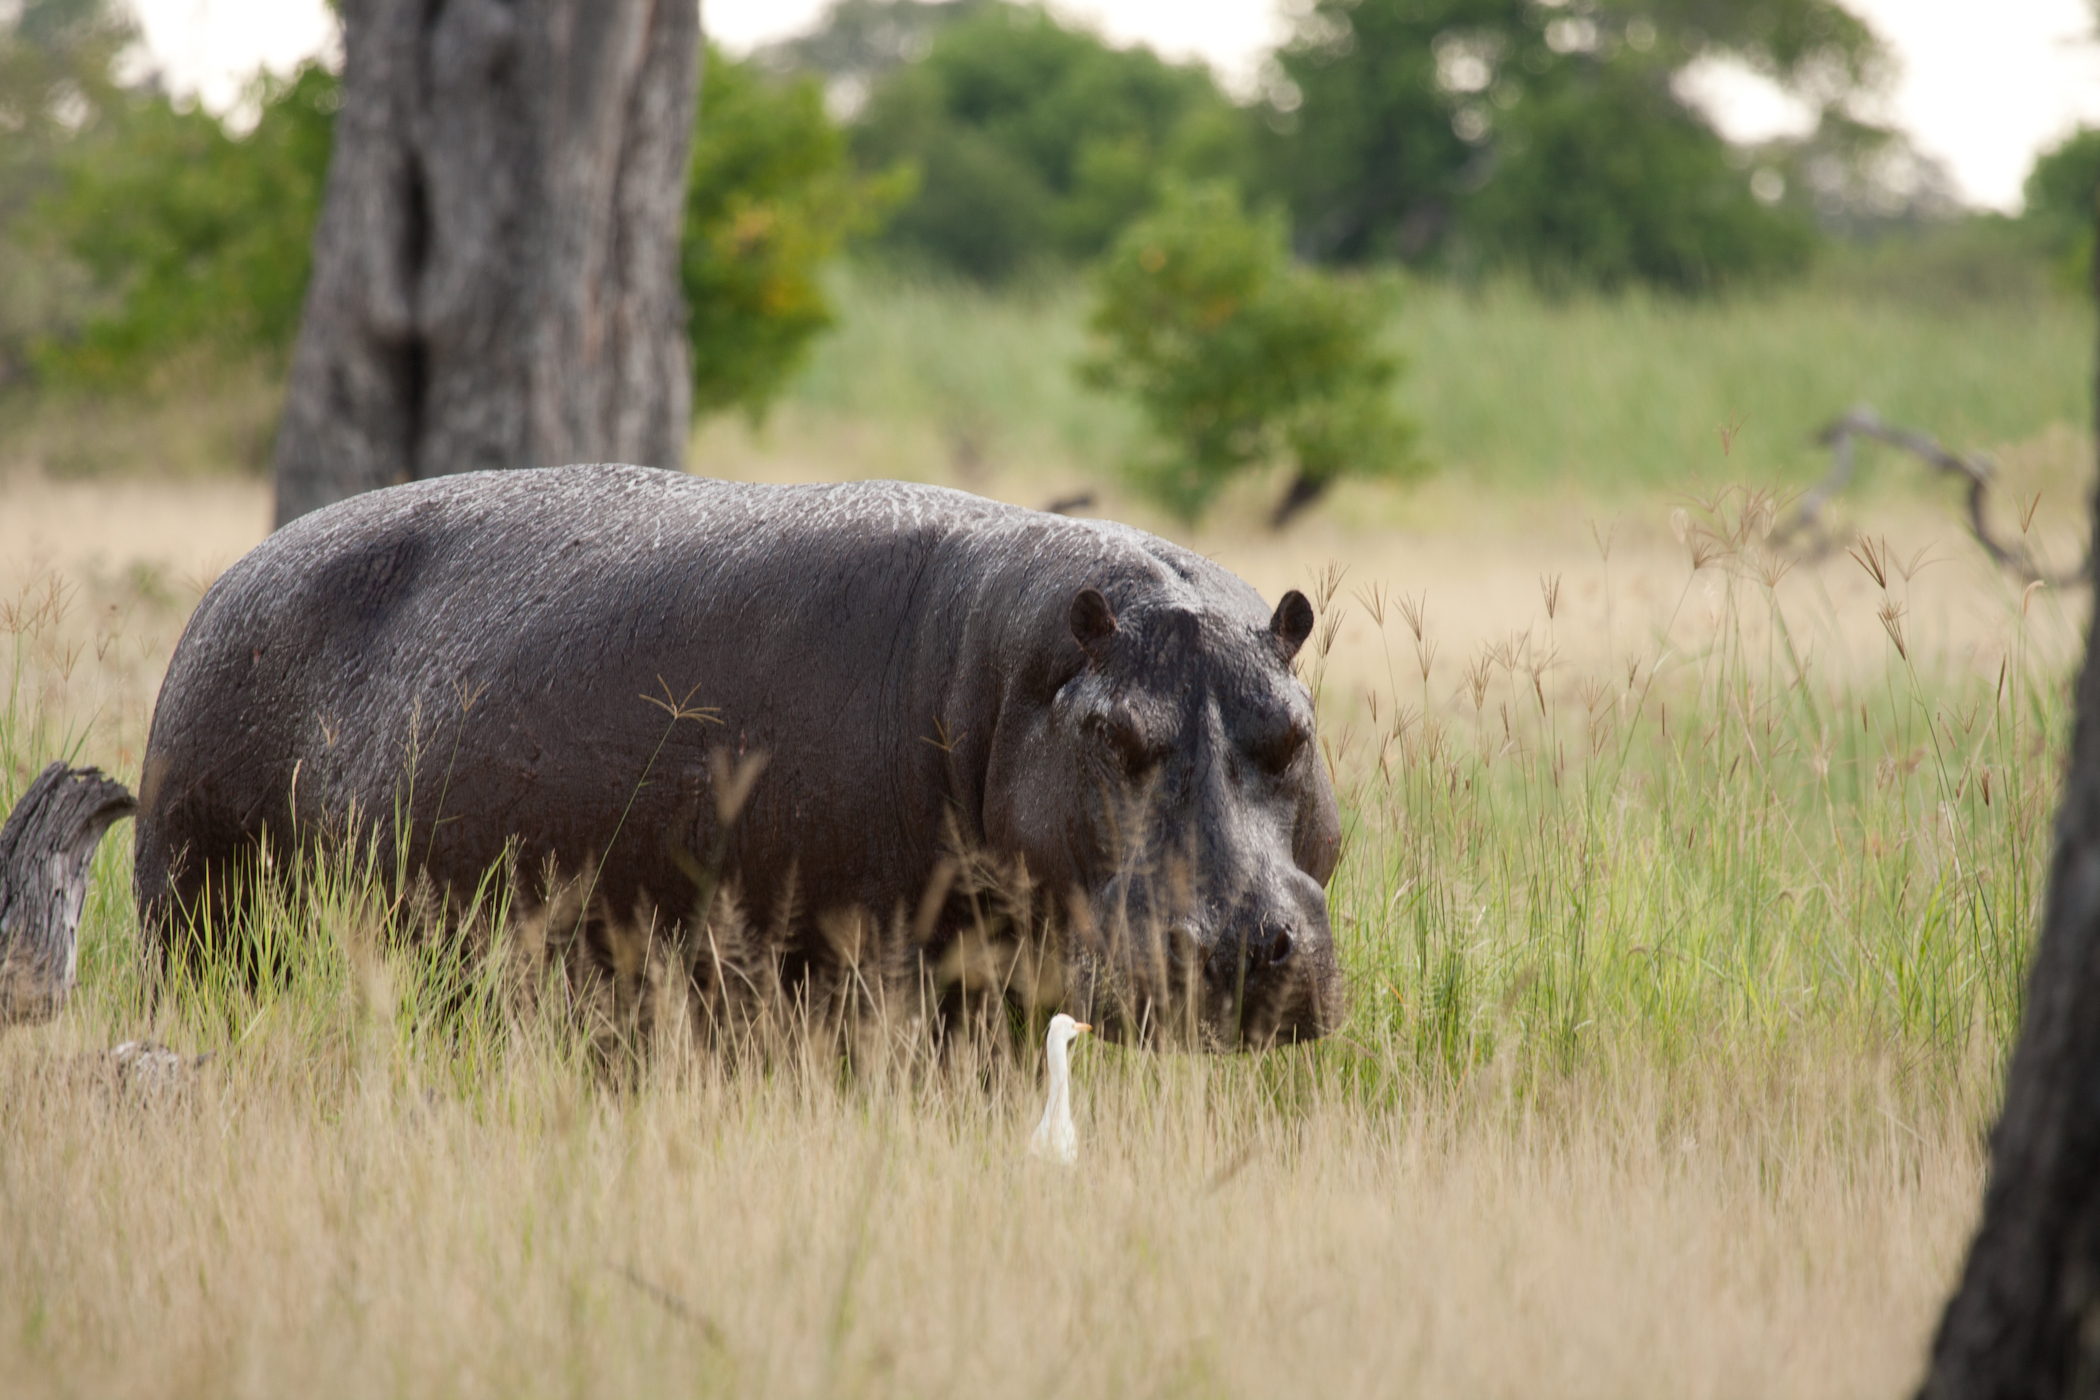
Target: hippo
{"x": 569, "y": 669}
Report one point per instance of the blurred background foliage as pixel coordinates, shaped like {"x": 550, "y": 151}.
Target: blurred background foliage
{"x": 1036, "y": 143}
{"x": 182, "y": 233}
{"x": 188, "y": 235}
{"x": 772, "y": 197}
{"x": 58, "y": 60}
{"x": 1240, "y": 359}
{"x": 2060, "y": 194}
{"x": 1468, "y": 146}
{"x": 1551, "y": 137}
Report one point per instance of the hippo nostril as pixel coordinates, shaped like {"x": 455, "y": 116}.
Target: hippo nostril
{"x": 1274, "y": 943}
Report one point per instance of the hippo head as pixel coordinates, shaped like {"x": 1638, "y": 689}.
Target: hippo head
{"x": 1169, "y": 783}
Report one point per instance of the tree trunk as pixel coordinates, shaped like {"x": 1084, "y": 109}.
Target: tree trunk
{"x": 1304, "y": 490}
{"x": 2026, "y": 1319}
{"x": 45, "y": 847}
{"x": 495, "y": 277}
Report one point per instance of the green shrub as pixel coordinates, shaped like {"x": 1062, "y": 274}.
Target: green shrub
{"x": 1239, "y": 358}
{"x": 1544, "y": 137}
{"x": 771, "y": 196}
{"x": 1037, "y": 143}
{"x": 1610, "y": 181}
{"x": 2060, "y": 194}
{"x": 192, "y": 235}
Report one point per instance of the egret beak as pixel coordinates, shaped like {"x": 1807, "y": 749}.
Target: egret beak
{"x": 1081, "y": 1026}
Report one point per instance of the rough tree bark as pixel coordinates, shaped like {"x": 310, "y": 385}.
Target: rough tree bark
{"x": 495, "y": 277}
{"x": 2025, "y": 1320}
{"x": 45, "y": 846}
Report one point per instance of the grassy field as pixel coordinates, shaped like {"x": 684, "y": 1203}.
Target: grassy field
{"x": 1617, "y": 397}
{"x": 1685, "y": 906}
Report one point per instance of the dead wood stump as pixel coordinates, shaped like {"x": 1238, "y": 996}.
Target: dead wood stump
{"x": 45, "y": 848}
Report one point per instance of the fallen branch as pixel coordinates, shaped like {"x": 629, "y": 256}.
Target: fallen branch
{"x": 1976, "y": 470}
{"x": 45, "y": 847}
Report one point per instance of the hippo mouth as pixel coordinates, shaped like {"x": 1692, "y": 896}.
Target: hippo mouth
{"x": 1258, "y": 993}
{"x": 1229, "y": 994}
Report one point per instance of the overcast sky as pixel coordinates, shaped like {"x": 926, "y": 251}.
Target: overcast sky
{"x": 1983, "y": 84}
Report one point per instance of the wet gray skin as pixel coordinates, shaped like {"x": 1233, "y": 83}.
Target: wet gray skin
{"x": 566, "y": 663}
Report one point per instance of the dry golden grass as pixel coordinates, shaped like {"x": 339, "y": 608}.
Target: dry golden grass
{"x": 328, "y": 1208}
{"x": 287, "y": 1227}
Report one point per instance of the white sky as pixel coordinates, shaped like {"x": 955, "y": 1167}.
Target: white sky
{"x": 1983, "y": 84}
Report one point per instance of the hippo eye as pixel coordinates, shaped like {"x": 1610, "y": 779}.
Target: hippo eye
{"x": 1275, "y": 749}
{"x": 1124, "y": 741}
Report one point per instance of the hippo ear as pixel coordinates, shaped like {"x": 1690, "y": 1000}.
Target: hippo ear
{"x": 1093, "y": 620}
{"x": 1292, "y": 624}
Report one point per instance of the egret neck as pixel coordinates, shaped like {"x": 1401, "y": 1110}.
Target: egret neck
{"x": 1055, "y": 1139}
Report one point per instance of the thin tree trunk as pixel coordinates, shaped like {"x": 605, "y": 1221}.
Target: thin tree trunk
{"x": 1303, "y": 491}
{"x": 2025, "y": 1321}
{"x": 495, "y": 274}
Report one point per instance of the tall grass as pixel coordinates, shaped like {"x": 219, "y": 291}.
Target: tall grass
{"x": 1514, "y": 392}
{"x": 1712, "y": 848}
{"x": 317, "y": 1212}
{"x": 1680, "y": 981}
{"x": 1606, "y": 395}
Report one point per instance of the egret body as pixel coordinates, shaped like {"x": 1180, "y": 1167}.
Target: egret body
{"x": 1055, "y": 1140}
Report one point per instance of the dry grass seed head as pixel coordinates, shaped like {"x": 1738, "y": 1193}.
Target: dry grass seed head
{"x": 732, "y": 780}
{"x": 1328, "y": 582}
{"x": 1330, "y": 625}
{"x": 1373, "y": 596}
{"x": 1891, "y": 615}
{"x": 1604, "y": 538}
{"x": 1873, "y": 556}
{"x": 1728, "y": 432}
{"x": 1478, "y": 672}
{"x": 1772, "y": 567}
{"x": 1917, "y": 562}
{"x": 1415, "y": 612}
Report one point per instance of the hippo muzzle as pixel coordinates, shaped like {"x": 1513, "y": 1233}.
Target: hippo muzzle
{"x": 1269, "y": 973}
{"x": 1246, "y": 972}
{"x": 1178, "y": 788}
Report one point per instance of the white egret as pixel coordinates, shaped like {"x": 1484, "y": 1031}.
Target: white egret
{"x": 1055, "y": 1140}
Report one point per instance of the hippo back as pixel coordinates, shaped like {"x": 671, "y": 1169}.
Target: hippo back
{"x": 564, "y": 666}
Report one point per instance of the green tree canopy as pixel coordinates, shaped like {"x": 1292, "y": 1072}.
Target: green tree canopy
{"x": 771, "y": 197}
{"x": 2061, "y": 194}
{"x": 194, "y": 236}
{"x": 55, "y": 92}
{"x": 1240, "y": 358}
{"x": 1036, "y": 142}
{"x": 55, "y": 61}
{"x": 2063, "y": 184}
{"x": 1549, "y": 135}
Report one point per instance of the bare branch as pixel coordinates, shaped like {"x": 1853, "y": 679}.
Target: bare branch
{"x": 1974, "y": 469}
